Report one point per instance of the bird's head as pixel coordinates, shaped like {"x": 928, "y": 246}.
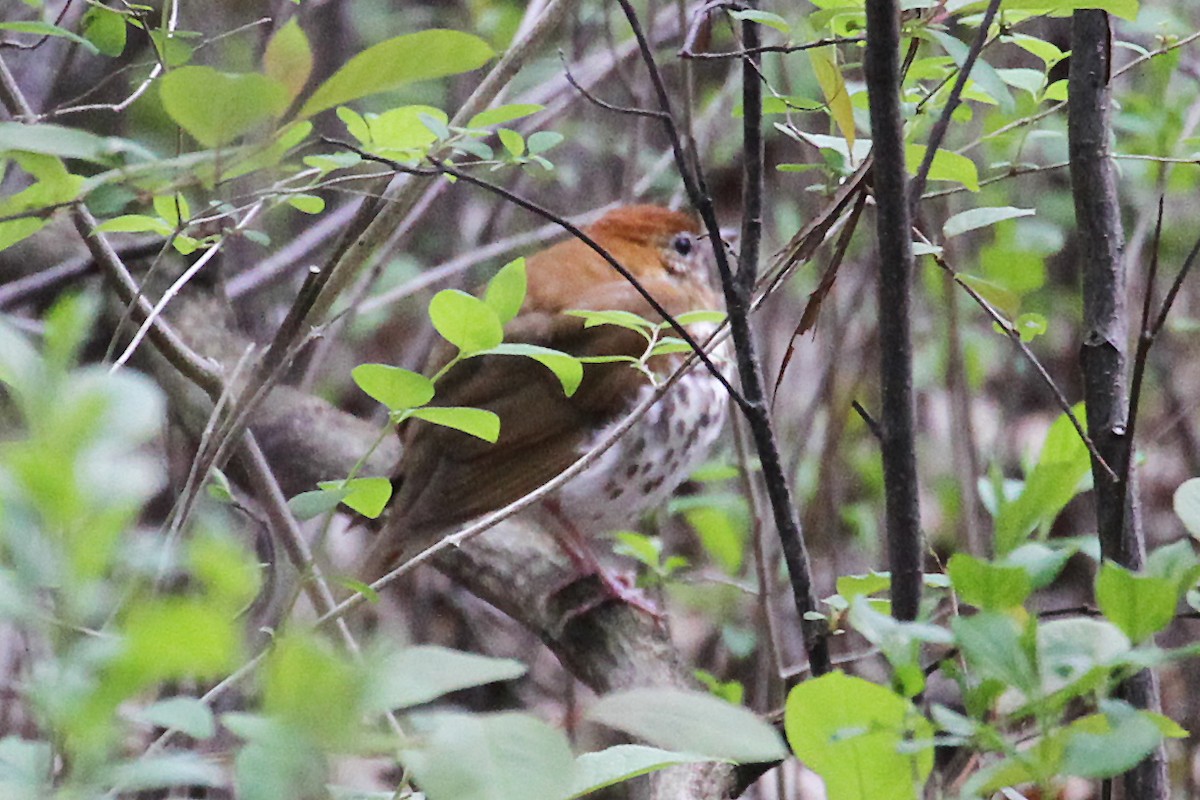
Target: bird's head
{"x": 665, "y": 250}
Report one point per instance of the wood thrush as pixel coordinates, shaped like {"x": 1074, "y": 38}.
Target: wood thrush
{"x": 446, "y": 478}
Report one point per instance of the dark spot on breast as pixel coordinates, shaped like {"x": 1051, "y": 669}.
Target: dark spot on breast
{"x": 631, "y": 470}
{"x": 637, "y": 447}
{"x": 680, "y": 427}
{"x": 651, "y": 485}
{"x": 705, "y": 420}
{"x": 692, "y": 436}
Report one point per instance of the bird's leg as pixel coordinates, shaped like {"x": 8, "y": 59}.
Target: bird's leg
{"x": 577, "y": 549}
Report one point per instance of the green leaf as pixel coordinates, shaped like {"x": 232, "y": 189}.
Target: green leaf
{"x": 859, "y": 737}
{"x": 172, "y": 47}
{"x": 691, "y": 722}
{"x": 763, "y": 18}
{"x": 188, "y": 715}
{"x": 417, "y": 675}
{"x": 46, "y": 29}
{"x": 982, "y": 72}
{"x": 1042, "y": 563}
{"x": 288, "y": 58}
{"x": 992, "y": 587}
{"x": 507, "y": 756}
{"x": 367, "y": 496}
{"x": 310, "y": 688}
{"x": 722, "y": 532}
{"x": 1186, "y": 503}
{"x": 56, "y": 140}
{"x": 306, "y": 203}
{"x": 900, "y": 642}
{"x": 541, "y": 141}
{"x": 1125, "y": 9}
{"x": 513, "y": 142}
{"x": 501, "y": 114}
{"x": 218, "y": 107}
{"x": 308, "y": 505}
{"x": 595, "y": 771}
{"x": 1177, "y": 563}
{"x": 165, "y": 771}
{"x": 1030, "y": 326}
{"x": 403, "y": 132}
{"x": 701, "y": 317}
{"x": 567, "y": 368}
{"x": 833, "y": 87}
{"x": 1108, "y": 744}
{"x": 1057, "y": 91}
{"x": 478, "y": 422}
{"x": 947, "y": 166}
{"x": 356, "y": 125}
{"x": 175, "y": 638}
{"x": 1140, "y": 605}
{"x": 397, "y": 62}
{"x": 134, "y": 223}
{"x": 173, "y": 208}
{"x": 229, "y": 575}
{"x": 105, "y": 29}
{"x": 992, "y": 644}
{"x": 436, "y": 124}
{"x": 851, "y": 586}
{"x": 54, "y": 185}
{"x": 465, "y": 321}
{"x": 981, "y": 217}
{"x": 1048, "y": 52}
{"x": 397, "y": 388}
{"x": 1072, "y": 650}
{"x": 1007, "y": 302}
{"x": 622, "y": 319}
{"x": 506, "y": 291}
{"x": 27, "y": 766}
{"x": 1062, "y": 468}
{"x": 475, "y": 148}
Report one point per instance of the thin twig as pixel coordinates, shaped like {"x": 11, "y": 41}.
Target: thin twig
{"x": 774, "y": 48}
{"x": 175, "y": 287}
{"x": 917, "y": 184}
{"x": 1015, "y": 337}
{"x": 637, "y": 112}
{"x": 871, "y": 423}
{"x": 196, "y": 368}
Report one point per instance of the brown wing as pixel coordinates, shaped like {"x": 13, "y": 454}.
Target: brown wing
{"x": 447, "y": 477}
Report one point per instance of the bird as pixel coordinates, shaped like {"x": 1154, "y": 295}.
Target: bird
{"x": 446, "y": 478}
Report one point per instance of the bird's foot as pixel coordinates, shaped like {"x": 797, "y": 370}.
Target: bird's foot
{"x": 582, "y": 594}
{"x": 621, "y": 587}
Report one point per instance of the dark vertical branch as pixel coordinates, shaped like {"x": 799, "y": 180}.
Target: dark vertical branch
{"x": 778, "y": 489}
{"x": 1105, "y": 319}
{"x": 737, "y": 290}
{"x": 893, "y": 225}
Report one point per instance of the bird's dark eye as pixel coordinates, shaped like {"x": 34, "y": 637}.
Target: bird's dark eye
{"x": 682, "y": 244}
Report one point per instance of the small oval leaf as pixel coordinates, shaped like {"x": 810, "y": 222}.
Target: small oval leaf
{"x": 395, "y": 387}
{"x": 478, "y": 422}
{"x": 465, "y": 321}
